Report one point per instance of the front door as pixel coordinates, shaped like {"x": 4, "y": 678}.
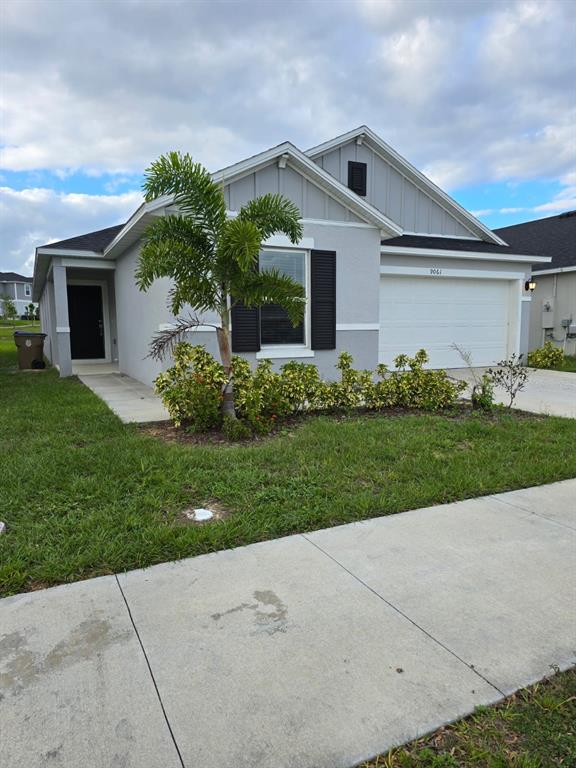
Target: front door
{"x": 86, "y": 320}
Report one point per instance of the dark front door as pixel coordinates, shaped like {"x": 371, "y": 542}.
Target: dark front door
{"x": 86, "y": 322}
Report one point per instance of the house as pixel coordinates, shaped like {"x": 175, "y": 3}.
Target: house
{"x": 389, "y": 261}
{"x": 553, "y": 308}
{"x": 19, "y": 289}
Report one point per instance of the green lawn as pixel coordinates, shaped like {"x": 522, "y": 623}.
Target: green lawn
{"x": 83, "y": 494}
{"x": 535, "y": 728}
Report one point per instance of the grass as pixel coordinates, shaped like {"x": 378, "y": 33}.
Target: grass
{"x": 568, "y": 364}
{"x": 82, "y": 494}
{"x": 535, "y": 728}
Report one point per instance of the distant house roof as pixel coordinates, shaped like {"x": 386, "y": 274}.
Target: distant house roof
{"x": 92, "y": 241}
{"x": 554, "y": 236}
{"x": 448, "y": 244}
{"x": 14, "y": 277}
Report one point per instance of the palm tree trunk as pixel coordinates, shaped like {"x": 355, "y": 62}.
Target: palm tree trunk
{"x": 223, "y": 335}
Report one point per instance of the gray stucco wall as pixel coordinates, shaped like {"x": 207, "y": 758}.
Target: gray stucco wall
{"x": 139, "y": 315}
{"x": 392, "y": 193}
{"x": 560, "y": 291}
{"x": 48, "y": 322}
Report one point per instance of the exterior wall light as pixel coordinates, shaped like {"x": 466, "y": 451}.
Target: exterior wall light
{"x": 530, "y": 285}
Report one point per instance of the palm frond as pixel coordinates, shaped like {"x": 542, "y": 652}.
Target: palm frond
{"x": 195, "y": 193}
{"x": 163, "y": 342}
{"x": 272, "y": 287}
{"x": 239, "y": 245}
{"x": 272, "y": 214}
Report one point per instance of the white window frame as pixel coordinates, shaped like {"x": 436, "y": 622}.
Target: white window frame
{"x": 27, "y": 290}
{"x": 290, "y": 350}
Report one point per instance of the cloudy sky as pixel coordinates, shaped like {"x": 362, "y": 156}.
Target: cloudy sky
{"x": 479, "y": 94}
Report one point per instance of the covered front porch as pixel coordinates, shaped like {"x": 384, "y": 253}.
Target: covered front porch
{"x": 78, "y": 314}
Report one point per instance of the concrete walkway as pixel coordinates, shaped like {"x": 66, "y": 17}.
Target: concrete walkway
{"x": 552, "y": 393}
{"x": 131, "y": 400}
{"x": 312, "y": 651}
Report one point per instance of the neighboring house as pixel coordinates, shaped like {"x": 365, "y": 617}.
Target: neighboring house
{"x": 553, "y": 312}
{"x": 19, "y": 289}
{"x": 389, "y": 261}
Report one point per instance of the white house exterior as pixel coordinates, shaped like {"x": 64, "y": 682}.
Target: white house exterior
{"x": 19, "y": 289}
{"x": 389, "y": 261}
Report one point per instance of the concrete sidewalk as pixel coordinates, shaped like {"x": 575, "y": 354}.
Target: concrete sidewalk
{"x": 130, "y": 400}
{"x": 313, "y": 651}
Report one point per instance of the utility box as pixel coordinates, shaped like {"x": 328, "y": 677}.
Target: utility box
{"x": 30, "y": 350}
{"x": 548, "y": 313}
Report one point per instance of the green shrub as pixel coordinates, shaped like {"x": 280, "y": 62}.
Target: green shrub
{"x": 236, "y": 429}
{"x": 191, "y": 389}
{"x": 349, "y": 391}
{"x": 482, "y": 396}
{"x": 547, "y": 356}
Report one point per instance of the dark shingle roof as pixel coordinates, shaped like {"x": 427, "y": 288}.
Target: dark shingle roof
{"x": 13, "y": 277}
{"x": 92, "y": 241}
{"x": 448, "y": 244}
{"x": 554, "y": 236}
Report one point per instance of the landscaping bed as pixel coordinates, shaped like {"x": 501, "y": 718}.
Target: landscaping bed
{"x": 534, "y": 728}
{"x": 83, "y": 495}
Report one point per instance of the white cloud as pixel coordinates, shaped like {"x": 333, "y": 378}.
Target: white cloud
{"x": 472, "y": 91}
{"x": 33, "y": 217}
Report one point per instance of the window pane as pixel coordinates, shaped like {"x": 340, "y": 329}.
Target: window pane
{"x": 275, "y": 327}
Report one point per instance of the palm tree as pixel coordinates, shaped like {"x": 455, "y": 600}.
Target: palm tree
{"x": 211, "y": 257}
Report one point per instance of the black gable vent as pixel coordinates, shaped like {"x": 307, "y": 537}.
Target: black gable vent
{"x": 357, "y": 177}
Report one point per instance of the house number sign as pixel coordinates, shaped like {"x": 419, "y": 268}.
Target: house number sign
{"x": 435, "y": 271}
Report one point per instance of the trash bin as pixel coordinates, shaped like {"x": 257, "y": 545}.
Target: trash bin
{"x": 30, "y": 350}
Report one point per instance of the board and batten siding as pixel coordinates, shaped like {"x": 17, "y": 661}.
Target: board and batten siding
{"x": 312, "y": 202}
{"x": 392, "y": 193}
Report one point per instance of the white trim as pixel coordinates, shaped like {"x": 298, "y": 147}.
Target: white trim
{"x": 398, "y": 250}
{"x": 392, "y": 157}
{"x": 443, "y": 272}
{"x": 281, "y": 241}
{"x": 62, "y": 329}
{"x": 88, "y": 263}
{"x": 357, "y": 327}
{"x": 68, "y": 252}
{"x": 329, "y": 223}
{"x": 557, "y": 271}
{"x": 445, "y": 237}
{"x": 105, "y": 317}
{"x": 27, "y": 293}
{"x": 287, "y": 352}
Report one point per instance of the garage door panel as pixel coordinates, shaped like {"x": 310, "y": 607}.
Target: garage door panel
{"x": 434, "y": 314}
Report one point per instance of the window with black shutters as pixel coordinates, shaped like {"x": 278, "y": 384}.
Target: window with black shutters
{"x": 357, "y": 177}
{"x": 275, "y": 325}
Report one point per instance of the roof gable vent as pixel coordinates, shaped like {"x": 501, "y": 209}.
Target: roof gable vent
{"x": 357, "y": 177}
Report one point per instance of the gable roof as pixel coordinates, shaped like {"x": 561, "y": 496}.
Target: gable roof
{"x": 553, "y": 236}
{"x": 299, "y": 161}
{"x": 13, "y": 277}
{"x": 91, "y": 241}
{"x": 400, "y": 164}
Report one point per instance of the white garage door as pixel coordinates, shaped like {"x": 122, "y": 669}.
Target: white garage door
{"x": 434, "y": 313}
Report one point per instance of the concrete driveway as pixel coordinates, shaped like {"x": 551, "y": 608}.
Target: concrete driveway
{"x": 549, "y": 392}
{"x": 312, "y": 651}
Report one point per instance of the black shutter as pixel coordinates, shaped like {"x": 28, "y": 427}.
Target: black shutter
{"x": 357, "y": 177}
{"x": 323, "y": 299}
{"x": 245, "y": 328}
